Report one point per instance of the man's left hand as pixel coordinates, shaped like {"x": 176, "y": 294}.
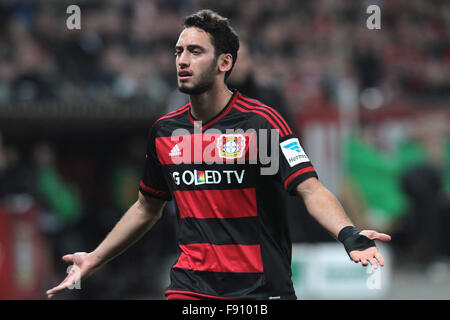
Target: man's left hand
{"x": 370, "y": 255}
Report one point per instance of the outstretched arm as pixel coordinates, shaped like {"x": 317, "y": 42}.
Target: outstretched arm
{"x": 141, "y": 216}
{"x": 326, "y": 209}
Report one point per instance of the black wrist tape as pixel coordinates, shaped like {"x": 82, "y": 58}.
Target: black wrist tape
{"x": 352, "y": 240}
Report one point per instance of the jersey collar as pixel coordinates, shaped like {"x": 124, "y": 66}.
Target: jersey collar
{"x": 218, "y": 116}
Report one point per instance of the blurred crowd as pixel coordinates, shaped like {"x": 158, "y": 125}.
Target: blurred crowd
{"x": 304, "y": 48}
{"x": 295, "y": 56}
{"x": 67, "y": 213}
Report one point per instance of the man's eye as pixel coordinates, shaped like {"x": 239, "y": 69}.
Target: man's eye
{"x": 177, "y": 53}
{"x": 196, "y": 52}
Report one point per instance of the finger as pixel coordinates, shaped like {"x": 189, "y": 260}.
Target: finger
{"x": 62, "y": 286}
{"x": 68, "y": 258}
{"x": 374, "y": 235}
{"x": 368, "y": 233}
{"x": 373, "y": 263}
{"x": 382, "y": 237}
{"x": 379, "y": 258}
{"x": 354, "y": 256}
{"x": 364, "y": 262}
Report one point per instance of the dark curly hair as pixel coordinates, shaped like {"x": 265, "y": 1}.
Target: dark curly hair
{"x": 224, "y": 38}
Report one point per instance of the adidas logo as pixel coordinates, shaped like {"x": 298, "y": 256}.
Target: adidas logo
{"x": 175, "y": 151}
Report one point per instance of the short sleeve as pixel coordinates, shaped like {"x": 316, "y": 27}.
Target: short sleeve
{"x": 294, "y": 165}
{"x": 153, "y": 182}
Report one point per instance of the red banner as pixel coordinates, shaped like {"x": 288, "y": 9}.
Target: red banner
{"x": 24, "y": 261}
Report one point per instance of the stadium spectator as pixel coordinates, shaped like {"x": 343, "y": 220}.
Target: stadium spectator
{"x": 49, "y": 61}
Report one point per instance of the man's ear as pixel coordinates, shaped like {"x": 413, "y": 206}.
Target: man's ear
{"x": 225, "y": 62}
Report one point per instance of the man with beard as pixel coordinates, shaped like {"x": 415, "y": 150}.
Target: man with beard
{"x": 233, "y": 236}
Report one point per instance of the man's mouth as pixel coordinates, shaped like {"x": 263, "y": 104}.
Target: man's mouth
{"x": 183, "y": 75}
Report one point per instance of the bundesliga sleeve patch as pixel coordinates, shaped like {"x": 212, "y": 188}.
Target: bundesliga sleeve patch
{"x": 293, "y": 152}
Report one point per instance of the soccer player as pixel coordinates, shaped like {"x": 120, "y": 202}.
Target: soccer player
{"x": 233, "y": 235}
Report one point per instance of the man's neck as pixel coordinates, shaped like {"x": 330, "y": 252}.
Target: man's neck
{"x": 207, "y": 105}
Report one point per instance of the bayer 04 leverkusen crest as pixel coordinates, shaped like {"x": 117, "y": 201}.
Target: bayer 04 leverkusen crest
{"x": 231, "y": 146}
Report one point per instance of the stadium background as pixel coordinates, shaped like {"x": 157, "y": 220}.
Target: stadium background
{"x": 371, "y": 106}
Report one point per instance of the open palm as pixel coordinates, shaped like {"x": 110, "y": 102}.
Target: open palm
{"x": 81, "y": 269}
{"x": 370, "y": 255}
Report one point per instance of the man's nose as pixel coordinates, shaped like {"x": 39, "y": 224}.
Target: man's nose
{"x": 183, "y": 60}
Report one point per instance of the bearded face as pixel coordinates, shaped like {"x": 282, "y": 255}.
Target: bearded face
{"x": 196, "y": 61}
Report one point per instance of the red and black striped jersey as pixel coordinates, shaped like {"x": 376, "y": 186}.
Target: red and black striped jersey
{"x": 229, "y": 178}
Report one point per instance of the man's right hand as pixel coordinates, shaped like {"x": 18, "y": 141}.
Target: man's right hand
{"x": 84, "y": 264}
{"x": 141, "y": 216}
